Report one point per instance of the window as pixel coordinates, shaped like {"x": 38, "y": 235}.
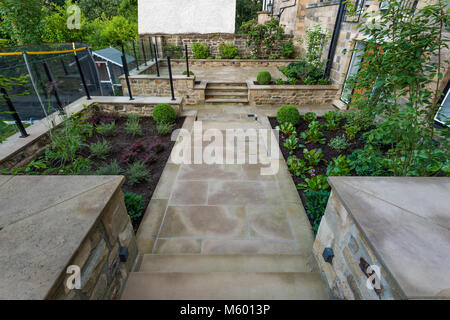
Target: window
{"x": 358, "y": 6}
{"x": 355, "y": 65}
{"x": 407, "y": 4}
{"x": 443, "y": 114}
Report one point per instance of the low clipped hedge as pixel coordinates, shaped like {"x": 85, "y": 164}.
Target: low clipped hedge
{"x": 264, "y": 77}
{"x": 164, "y": 113}
{"x": 289, "y": 114}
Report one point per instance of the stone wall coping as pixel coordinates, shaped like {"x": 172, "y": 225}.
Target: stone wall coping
{"x": 252, "y": 86}
{"x": 155, "y": 77}
{"x": 43, "y": 222}
{"x": 15, "y": 144}
{"x": 237, "y": 60}
{"x": 406, "y": 222}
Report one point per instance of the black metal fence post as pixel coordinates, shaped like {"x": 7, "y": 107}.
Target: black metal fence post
{"x": 150, "y": 47}
{"x": 156, "y": 60}
{"x": 53, "y": 84}
{"x": 127, "y": 79}
{"x": 82, "y": 76}
{"x": 170, "y": 78}
{"x": 14, "y": 114}
{"x": 187, "y": 59}
{"x": 64, "y": 67}
{"x": 135, "y": 56}
{"x": 143, "y": 51}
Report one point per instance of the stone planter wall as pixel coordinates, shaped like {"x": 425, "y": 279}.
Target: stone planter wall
{"x": 207, "y": 63}
{"x": 345, "y": 276}
{"x": 212, "y": 39}
{"x": 150, "y": 85}
{"x": 278, "y": 95}
{"x": 103, "y": 275}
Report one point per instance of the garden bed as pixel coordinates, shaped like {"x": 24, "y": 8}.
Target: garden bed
{"x": 148, "y": 147}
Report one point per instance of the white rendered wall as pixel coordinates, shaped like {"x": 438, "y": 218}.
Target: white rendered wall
{"x": 186, "y": 16}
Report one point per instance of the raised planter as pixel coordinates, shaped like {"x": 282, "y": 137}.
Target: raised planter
{"x": 207, "y": 63}
{"x": 297, "y": 95}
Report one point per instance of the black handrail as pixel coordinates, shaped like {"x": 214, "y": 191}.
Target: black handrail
{"x": 170, "y": 78}
{"x": 127, "y": 79}
{"x": 187, "y": 59}
{"x": 86, "y": 89}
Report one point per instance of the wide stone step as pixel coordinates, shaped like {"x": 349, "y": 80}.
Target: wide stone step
{"x": 224, "y": 263}
{"x": 227, "y": 88}
{"x": 226, "y": 95}
{"x": 225, "y": 286}
{"x": 223, "y": 100}
{"x": 226, "y": 84}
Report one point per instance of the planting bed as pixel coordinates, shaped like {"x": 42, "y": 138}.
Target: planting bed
{"x": 328, "y": 152}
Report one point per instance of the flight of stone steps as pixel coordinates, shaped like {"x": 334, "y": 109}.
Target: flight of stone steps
{"x": 224, "y": 277}
{"x": 235, "y": 93}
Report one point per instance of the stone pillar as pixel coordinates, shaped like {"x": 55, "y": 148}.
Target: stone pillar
{"x": 263, "y": 17}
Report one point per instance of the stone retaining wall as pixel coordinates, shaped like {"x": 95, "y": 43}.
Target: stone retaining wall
{"x": 278, "y": 95}
{"x": 150, "y": 85}
{"x": 207, "y": 63}
{"x": 103, "y": 274}
{"x": 212, "y": 39}
{"x": 346, "y": 275}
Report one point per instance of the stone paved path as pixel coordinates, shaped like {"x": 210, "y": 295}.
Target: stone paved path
{"x": 226, "y": 208}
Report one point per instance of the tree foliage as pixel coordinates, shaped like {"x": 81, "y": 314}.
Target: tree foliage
{"x": 246, "y": 10}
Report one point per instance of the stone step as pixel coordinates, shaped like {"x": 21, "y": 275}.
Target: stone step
{"x": 226, "y": 84}
{"x": 227, "y": 88}
{"x": 225, "y": 95}
{"x": 224, "y": 263}
{"x": 228, "y": 101}
{"x": 225, "y": 286}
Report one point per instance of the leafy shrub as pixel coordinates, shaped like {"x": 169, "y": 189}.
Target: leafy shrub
{"x": 135, "y": 205}
{"x": 316, "y": 203}
{"x": 351, "y": 131}
{"x": 286, "y": 128}
{"x": 164, "y": 128}
{"x": 137, "y": 172}
{"x": 132, "y": 126}
{"x": 200, "y": 50}
{"x": 228, "y": 50}
{"x": 313, "y": 156}
{"x": 313, "y": 134}
{"x": 288, "y": 114}
{"x": 310, "y": 117}
{"x": 292, "y": 81}
{"x": 102, "y": 118}
{"x": 273, "y": 57}
{"x": 264, "y": 77}
{"x": 324, "y": 81}
{"x": 173, "y": 51}
{"x": 138, "y": 151}
{"x": 287, "y": 50}
{"x": 279, "y": 81}
{"x": 111, "y": 169}
{"x": 303, "y": 70}
{"x": 107, "y": 129}
{"x": 297, "y": 167}
{"x": 316, "y": 183}
{"x": 339, "y": 166}
{"x": 157, "y": 146}
{"x": 164, "y": 113}
{"x": 339, "y": 143}
{"x": 291, "y": 143}
{"x": 218, "y": 57}
{"x": 310, "y": 81}
{"x": 263, "y": 38}
{"x": 190, "y": 73}
{"x": 100, "y": 149}
{"x": 368, "y": 162}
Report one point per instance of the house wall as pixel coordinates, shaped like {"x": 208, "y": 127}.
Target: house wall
{"x": 289, "y": 16}
{"x": 186, "y": 16}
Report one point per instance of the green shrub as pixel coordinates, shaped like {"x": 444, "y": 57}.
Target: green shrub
{"x": 297, "y": 167}
{"x": 324, "y": 81}
{"x": 173, "y": 51}
{"x": 264, "y": 77}
{"x": 310, "y": 81}
{"x": 279, "y": 81}
{"x": 111, "y": 169}
{"x": 287, "y": 50}
{"x": 135, "y": 205}
{"x": 200, "y": 50}
{"x": 218, "y": 57}
{"x": 185, "y": 73}
{"x": 137, "y": 172}
{"x": 132, "y": 126}
{"x": 164, "y": 113}
{"x": 288, "y": 114}
{"x": 339, "y": 166}
{"x": 313, "y": 134}
{"x": 316, "y": 203}
{"x": 339, "y": 143}
{"x": 310, "y": 117}
{"x": 313, "y": 156}
{"x": 164, "y": 128}
{"x": 228, "y": 50}
{"x": 107, "y": 129}
{"x": 292, "y": 81}
{"x": 315, "y": 183}
{"x": 100, "y": 149}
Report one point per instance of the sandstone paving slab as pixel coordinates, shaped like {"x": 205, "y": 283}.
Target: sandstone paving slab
{"x": 268, "y": 222}
{"x": 210, "y": 172}
{"x": 23, "y": 196}
{"x": 249, "y": 247}
{"x": 243, "y": 193}
{"x": 225, "y": 286}
{"x": 178, "y": 246}
{"x": 204, "y": 222}
{"x": 36, "y": 249}
{"x": 149, "y": 227}
{"x": 414, "y": 248}
{"x": 189, "y": 193}
{"x": 166, "y": 181}
{"x": 301, "y": 228}
{"x": 224, "y": 263}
